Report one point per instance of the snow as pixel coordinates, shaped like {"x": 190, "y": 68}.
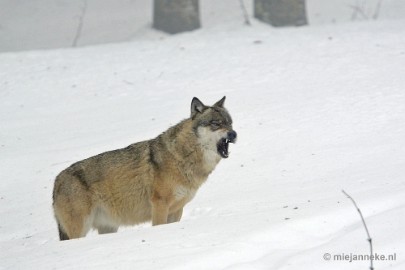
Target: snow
{"x": 317, "y": 110}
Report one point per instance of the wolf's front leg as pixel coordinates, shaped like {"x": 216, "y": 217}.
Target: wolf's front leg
{"x": 176, "y": 216}
{"x": 160, "y": 211}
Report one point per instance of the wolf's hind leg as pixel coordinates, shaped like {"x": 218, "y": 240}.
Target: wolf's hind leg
{"x": 74, "y": 227}
{"x": 62, "y": 234}
{"x": 72, "y": 205}
{"x": 106, "y": 229}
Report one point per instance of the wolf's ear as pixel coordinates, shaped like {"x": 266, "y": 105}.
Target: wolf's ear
{"x": 220, "y": 103}
{"x": 197, "y": 106}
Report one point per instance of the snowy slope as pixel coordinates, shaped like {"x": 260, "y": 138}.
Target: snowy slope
{"x": 316, "y": 109}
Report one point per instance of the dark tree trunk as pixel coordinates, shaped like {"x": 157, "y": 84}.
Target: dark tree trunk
{"x": 281, "y": 12}
{"x": 174, "y": 16}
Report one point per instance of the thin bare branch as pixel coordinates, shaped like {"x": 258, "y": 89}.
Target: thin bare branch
{"x": 365, "y": 226}
{"x": 359, "y": 10}
{"x": 377, "y": 10}
{"x": 80, "y": 25}
{"x": 245, "y": 13}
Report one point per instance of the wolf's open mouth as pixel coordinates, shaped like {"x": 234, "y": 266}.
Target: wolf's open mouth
{"x": 222, "y": 147}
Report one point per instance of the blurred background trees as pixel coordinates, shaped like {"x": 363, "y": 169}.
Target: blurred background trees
{"x": 44, "y": 24}
{"x": 281, "y": 12}
{"x": 174, "y": 16}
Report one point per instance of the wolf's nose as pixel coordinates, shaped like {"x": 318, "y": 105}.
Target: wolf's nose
{"x": 232, "y": 135}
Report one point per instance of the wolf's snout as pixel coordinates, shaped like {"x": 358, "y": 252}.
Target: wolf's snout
{"x": 232, "y": 136}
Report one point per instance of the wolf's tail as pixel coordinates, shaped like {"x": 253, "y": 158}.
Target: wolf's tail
{"x": 62, "y": 234}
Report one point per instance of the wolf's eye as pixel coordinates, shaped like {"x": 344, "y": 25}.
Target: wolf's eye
{"x": 215, "y": 124}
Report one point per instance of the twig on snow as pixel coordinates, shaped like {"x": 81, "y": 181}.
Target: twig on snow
{"x": 365, "y": 226}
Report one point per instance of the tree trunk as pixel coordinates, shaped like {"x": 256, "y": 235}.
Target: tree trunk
{"x": 281, "y": 12}
{"x": 174, "y": 16}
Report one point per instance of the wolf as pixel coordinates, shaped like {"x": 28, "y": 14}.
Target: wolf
{"x": 150, "y": 180}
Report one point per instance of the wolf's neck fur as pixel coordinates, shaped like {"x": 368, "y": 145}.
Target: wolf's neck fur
{"x": 194, "y": 153}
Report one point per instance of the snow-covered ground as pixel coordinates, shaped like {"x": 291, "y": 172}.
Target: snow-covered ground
{"x": 317, "y": 110}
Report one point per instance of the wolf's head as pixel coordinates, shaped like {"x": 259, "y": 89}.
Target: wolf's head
{"x": 213, "y": 126}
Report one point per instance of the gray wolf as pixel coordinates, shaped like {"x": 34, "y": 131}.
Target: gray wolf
{"x": 147, "y": 181}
